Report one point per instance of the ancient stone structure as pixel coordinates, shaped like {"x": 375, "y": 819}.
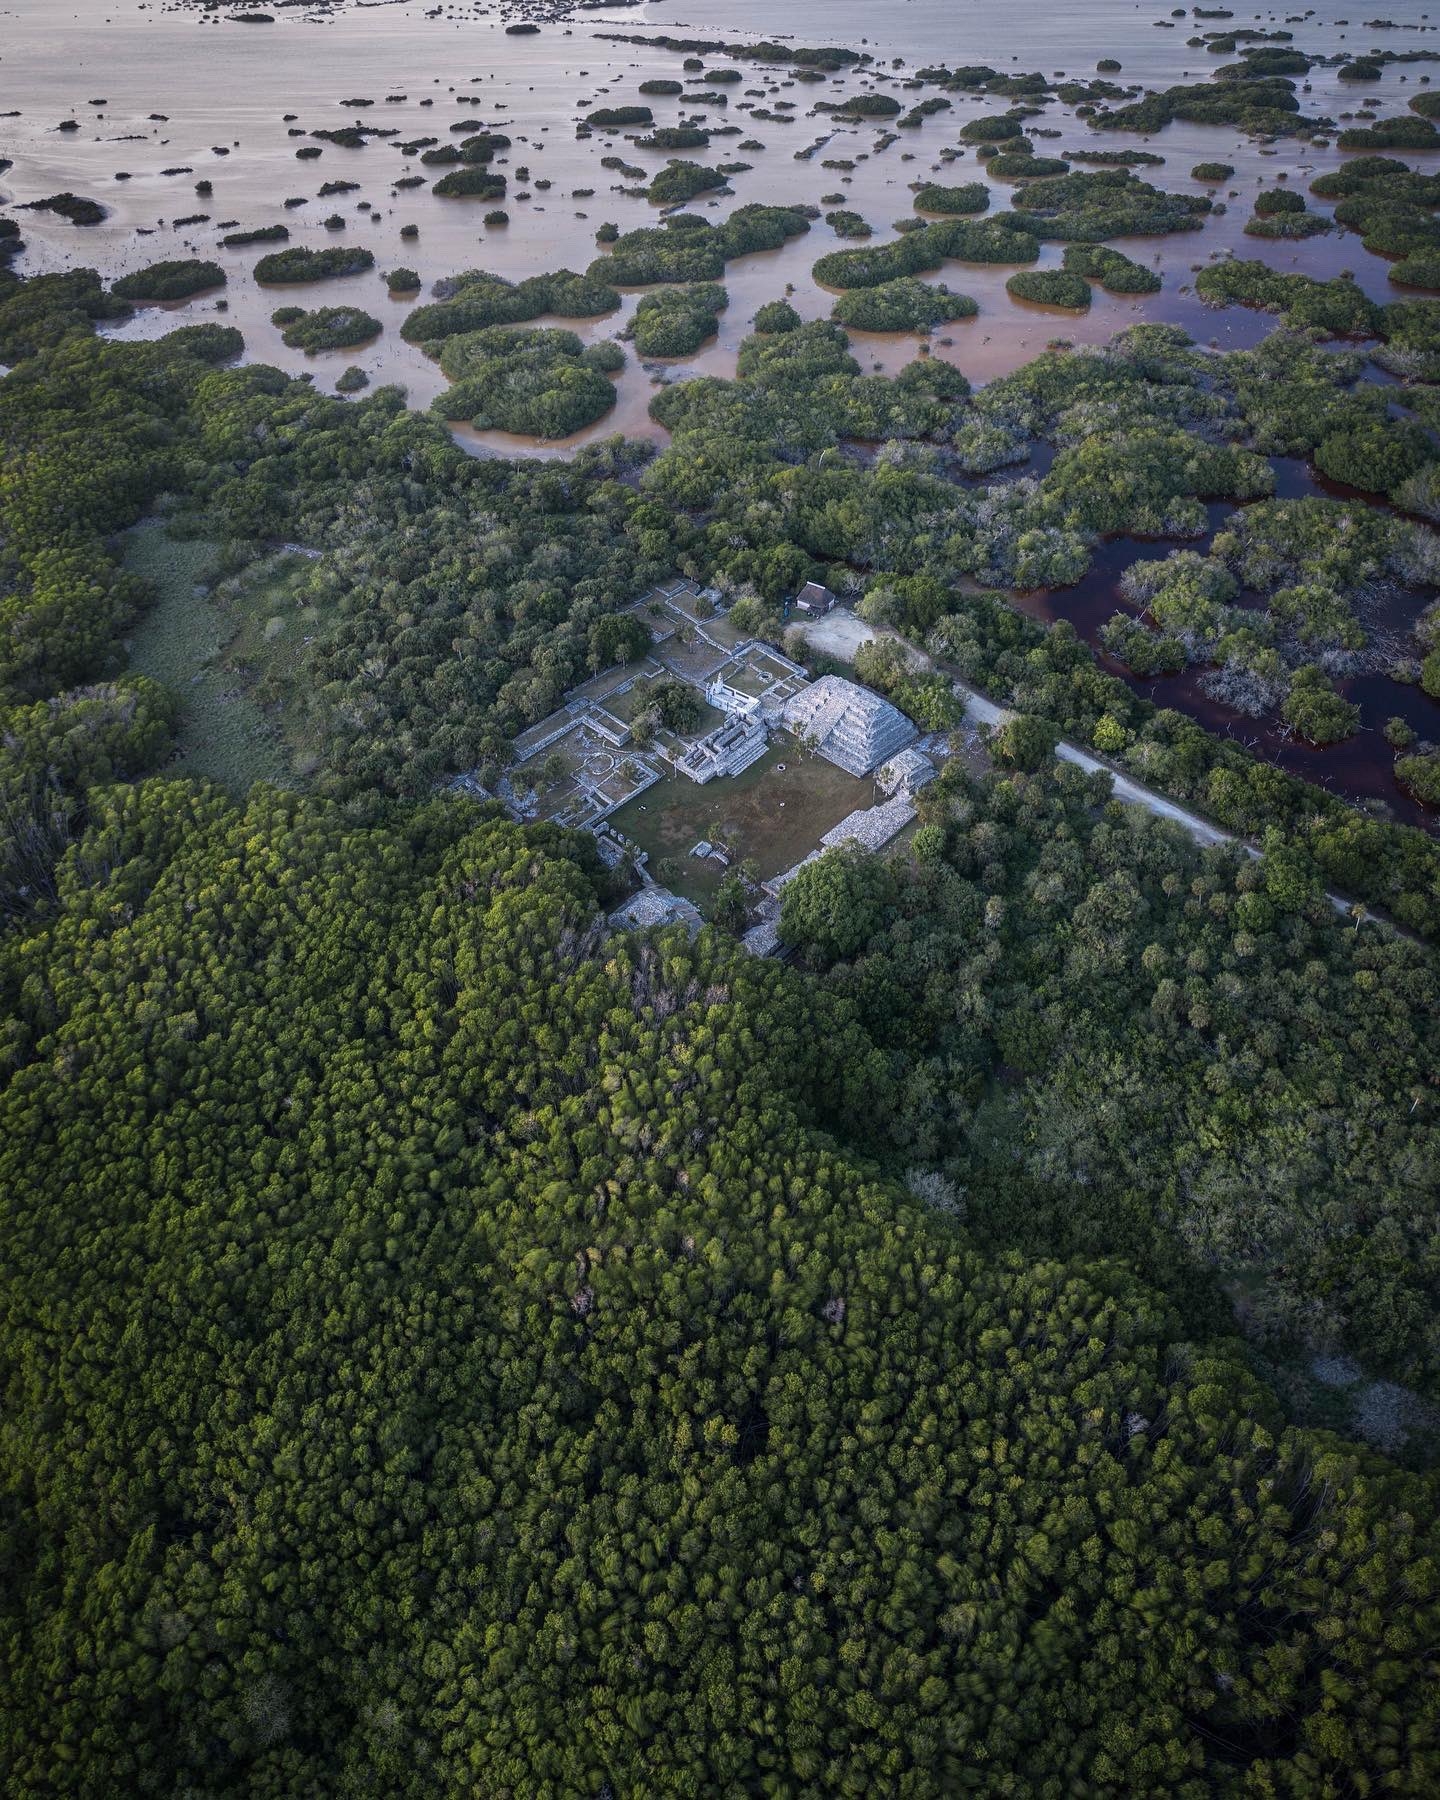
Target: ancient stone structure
{"x": 847, "y": 724}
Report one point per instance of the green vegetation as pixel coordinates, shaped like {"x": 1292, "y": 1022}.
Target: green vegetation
{"x": 1421, "y": 774}
{"x": 1311, "y": 563}
{"x": 679, "y": 181}
{"x": 1214, "y": 172}
{"x": 1315, "y": 710}
{"x": 777, "y": 316}
{"x": 679, "y": 320}
{"x": 402, "y": 281}
{"x": 1287, "y": 225}
{"x": 1050, "y": 287}
{"x": 1338, "y": 307}
{"x": 469, "y": 184}
{"x": 1378, "y": 455}
{"x": 1018, "y": 166}
{"x": 175, "y": 280}
{"x": 77, "y": 208}
{"x": 868, "y": 106}
{"x": 476, "y": 150}
{"x": 330, "y": 328}
{"x": 1001, "y": 240}
{"x": 847, "y": 224}
{"x": 1087, "y": 207}
{"x": 799, "y": 391}
{"x": 543, "y": 383}
{"x": 476, "y": 299}
{"x": 41, "y": 313}
{"x": 1399, "y": 133}
{"x": 454, "y": 1346}
{"x": 686, "y": 248}
{"x": 902, "y": 305}
{"x": 610, "y": 118}
{"x": 1420, "y": 269}
{"x": 1117, "y": 159}
{"x": 190, "y": 642}
{"x": 264, "y": 234}
{"x": 970, "y": 197}
{"x": 1263, "y": 108}
{"x": 994, "y": 129}
{"x": 300, "y": 264}
{"x": 1111, "y": 269}
{"x": 678, "y": 1404}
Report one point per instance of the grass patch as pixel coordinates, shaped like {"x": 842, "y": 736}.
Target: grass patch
{"x": 770, "y": 814}
{"x": 195, "y": 643}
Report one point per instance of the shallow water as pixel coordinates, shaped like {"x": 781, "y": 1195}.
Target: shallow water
{"x": 225, "y": 86}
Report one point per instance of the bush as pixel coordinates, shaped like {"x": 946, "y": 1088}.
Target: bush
{"x": 847, "y": 224}
{"x": 542, "y": 383}
{"x": 992, "y": 130}
{"x": 1378, "y": 458}
{"x": 904, "y": 304}
{"x": 1421, "y": 774}
{"x": 610, "y": 118}
{"x": 917, "y": 252}
{"x": 1287, "y": 226}
{"x": 1400, "y": 133}
{"x": 678, "y": 321}
{"x": 1213, "y": 172}
{"x": 1315, "y": 710}
{"x": 402, "y": 281}
{"x": 1421, "y": 269}
{"x": 299, "y": 264}
{"x": 1050, "y": 287}
{"x": 1339, "y": 307}
{"x": 1090, "y": 206}
{"x": 1263, "y": 108}
{"x": 687, "y": 249}
{"x": 469, "y": 184}
{"x": 777, "y": 316}
{"x": 330, "y": 328}
{"x": 75, "y": 207}
{"x": 680, "y": 181}
{"x": 175, "y": 280}
{"x": 1111, "y": 269}
{"x": 869, "y": 106}
{"x": 478, "y": 299}
{"x": 971, "y": 197}
{"x": 1013, "y": 166}
{"x": 1025, "y": 741}
{"x": 675, "y": 137}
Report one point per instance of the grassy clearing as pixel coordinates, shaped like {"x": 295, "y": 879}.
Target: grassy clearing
{"x": 188, "y": 640}
{"x": 772, "y": 814}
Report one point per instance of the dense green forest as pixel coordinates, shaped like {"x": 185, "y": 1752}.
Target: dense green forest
{"x": 449, "y": 1347}
{"x": 448, "y": 1354}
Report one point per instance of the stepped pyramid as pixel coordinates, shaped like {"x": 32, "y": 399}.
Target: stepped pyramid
{"x": 847, "y": 724}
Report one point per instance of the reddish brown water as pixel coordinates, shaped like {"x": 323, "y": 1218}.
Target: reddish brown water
{"x": 1360, "y": 767}
{"x": 226, "y": 86}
